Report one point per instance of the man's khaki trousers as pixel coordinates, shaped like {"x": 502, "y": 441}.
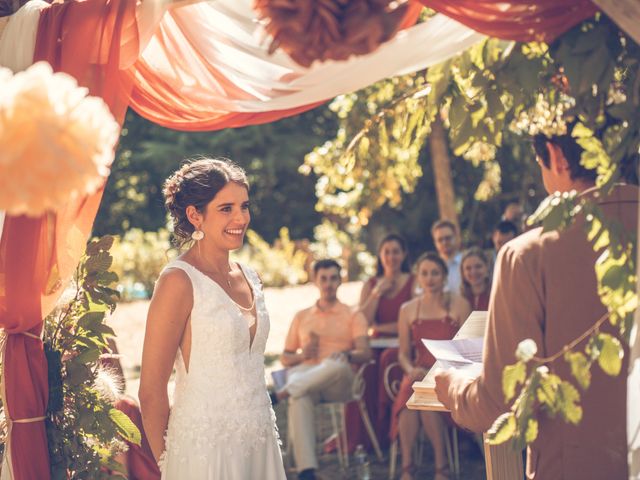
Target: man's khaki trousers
{"x": 328, "y": 381}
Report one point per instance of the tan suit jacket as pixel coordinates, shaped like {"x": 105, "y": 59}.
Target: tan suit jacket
{"x": 545, "y": 289}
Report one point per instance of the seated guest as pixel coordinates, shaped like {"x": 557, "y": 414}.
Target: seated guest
{"x": 447, "y": 241}
{"x": 476, "y": 282}
{"x": 514, "y": 213}
{"x": 502, "y": 233}
{"x": 322, "y": 343}
{"x": 383, "y": 294}
{"x": 380, "y": 301}
{"x": 437, "y": 315}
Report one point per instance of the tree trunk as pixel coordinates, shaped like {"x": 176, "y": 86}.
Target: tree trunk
{"x": 633, "y": 393}
{"x": 438, "y": 147}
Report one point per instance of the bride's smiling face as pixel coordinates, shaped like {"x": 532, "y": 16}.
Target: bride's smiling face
{"x": 226, "y": 218}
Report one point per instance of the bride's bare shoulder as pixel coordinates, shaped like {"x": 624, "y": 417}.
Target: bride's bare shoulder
{"x": 173, "y": 284}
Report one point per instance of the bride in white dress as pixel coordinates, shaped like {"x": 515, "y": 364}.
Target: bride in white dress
{"x": 208, "y": 316}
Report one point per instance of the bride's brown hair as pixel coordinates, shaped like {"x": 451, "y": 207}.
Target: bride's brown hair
{"x": 196, "y": 183}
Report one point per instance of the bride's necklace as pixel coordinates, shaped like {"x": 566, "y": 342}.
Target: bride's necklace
{"x": 227, "y": 277}
{"x": 218, "y": 273}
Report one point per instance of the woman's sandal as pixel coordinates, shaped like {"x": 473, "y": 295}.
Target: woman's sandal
{"x": 408, "y": 470}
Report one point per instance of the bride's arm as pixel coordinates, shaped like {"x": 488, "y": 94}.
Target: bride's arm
{"x": 168, "y": 313}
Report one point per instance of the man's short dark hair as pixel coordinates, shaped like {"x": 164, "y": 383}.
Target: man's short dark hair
{"x": 325, "y": 263}
{"x": 570, "y": 149}
{"x": 505, "y": 226}
{"x": 442, "y": 224}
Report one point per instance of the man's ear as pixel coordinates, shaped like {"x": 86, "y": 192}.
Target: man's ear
{"x": 557, "y": 162}
{"x": 194, "y": 216}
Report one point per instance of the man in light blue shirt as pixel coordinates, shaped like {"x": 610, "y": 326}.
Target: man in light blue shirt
{"x": 447, "y": 240}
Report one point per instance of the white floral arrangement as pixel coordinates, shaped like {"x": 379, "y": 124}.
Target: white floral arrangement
{"x": 544, "y": 117}
{"x": 57, "y": 142}
{"x": 480, "y": 152}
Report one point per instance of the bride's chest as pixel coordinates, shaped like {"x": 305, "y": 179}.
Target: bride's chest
{"x": 219, "y": 323}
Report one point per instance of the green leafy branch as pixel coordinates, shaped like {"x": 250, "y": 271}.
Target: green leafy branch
{"x": 597, "y": 66}
{"x": 547, "y": 391}
{"x": 84, "y": 429}
{"x": 364, "y": 167}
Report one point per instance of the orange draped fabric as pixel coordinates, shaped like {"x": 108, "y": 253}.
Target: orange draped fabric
{"x": 179, "y": 119}
{"x": 165, "y": 104}
{"x": 521, "y": 20}
{"x": 89, "y": 40}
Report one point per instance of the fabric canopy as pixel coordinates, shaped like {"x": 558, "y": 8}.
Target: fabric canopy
{"x": 205, "y": 67}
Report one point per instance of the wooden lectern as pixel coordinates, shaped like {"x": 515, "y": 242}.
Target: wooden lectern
{"x": 502, "y": 463}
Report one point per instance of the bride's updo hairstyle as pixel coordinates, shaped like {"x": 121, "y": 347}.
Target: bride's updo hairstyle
{"x": 196, "y": 183}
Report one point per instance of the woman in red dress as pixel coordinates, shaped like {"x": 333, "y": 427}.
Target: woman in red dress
{"x": 436, "y": 315}
{"x": 476, "y": 280}
{"x": 380, "y": 302}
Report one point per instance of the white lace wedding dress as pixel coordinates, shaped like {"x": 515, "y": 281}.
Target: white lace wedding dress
{"x": 221, "y": 424}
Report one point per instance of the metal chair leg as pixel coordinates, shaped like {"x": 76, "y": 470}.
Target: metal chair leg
{"x": 336, "y": 431}
{"x": 456, "y": 453}
{"x": 393, "y": 459}
{"x": 289, "y": 463}
{"x": 370, "y": 431}
{"x": 343, "y": 434}
{"x": 447, "y": 444}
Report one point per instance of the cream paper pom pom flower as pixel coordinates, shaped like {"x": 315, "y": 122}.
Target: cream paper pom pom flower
{"x": 56, "y": 142}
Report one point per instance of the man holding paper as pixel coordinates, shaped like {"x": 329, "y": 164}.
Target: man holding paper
{"x": 545, "y": 289}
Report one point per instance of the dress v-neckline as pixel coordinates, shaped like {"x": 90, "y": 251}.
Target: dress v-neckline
{"x": 238, "y": 307}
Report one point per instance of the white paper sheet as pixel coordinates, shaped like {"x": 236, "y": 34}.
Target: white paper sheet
{"x": 464, "y": 354}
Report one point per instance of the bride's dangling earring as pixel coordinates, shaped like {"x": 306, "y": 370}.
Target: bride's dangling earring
{"x": 196, "y": 236}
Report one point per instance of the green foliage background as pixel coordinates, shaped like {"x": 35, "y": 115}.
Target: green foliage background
{"x": 282, "y": 196}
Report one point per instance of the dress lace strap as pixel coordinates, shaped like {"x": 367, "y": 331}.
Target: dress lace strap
{"x": 180, "y": 264}
{"x": 252, "y": 277}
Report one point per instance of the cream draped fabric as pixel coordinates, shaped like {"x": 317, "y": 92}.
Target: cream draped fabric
{"x": 218, "y": 52}
{"x": 18, "y": 36}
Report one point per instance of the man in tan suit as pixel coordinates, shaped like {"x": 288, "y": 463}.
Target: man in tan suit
{"x": 545, "y": 289}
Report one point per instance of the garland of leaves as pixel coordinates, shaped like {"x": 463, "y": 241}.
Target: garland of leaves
{"x": 84, "y": 430}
